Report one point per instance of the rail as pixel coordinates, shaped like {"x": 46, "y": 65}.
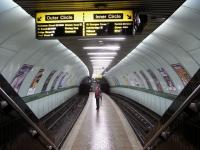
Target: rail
{"x": 137, "y": 116}
{"x": 20, "y": 111}
{"x": 173, "y": 117}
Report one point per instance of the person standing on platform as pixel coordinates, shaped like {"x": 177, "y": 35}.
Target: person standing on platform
{"x": 97, "y": 96}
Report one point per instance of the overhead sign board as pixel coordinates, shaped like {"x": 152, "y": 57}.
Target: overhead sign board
{"x": 59, "y": 24}
{"x": 86, "y": 23}
{"x": 108, "y": 16}
{"x": 115, "y": 22}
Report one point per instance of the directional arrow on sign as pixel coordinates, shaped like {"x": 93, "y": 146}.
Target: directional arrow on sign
{"x": 39, "y": 19}
{"x": 129, "y": 16}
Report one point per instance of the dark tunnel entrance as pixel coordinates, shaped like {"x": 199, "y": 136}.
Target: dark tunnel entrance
{"x": 88, "y": 84}
{"x": 105, "y": 87}
{"x": 84, "y": 87}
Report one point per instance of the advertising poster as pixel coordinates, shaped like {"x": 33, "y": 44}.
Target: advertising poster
{"x": 140, "y": 79}
{"x": 62, "y": 80}
{"x": 48, "y": 80}
{"x": 35, "y": 81}
{"x": 113, "y": 80}
{"x": 155, "y": 79}
{"x": 146, "y": 79}
{"x": 182, "y": 73}
{"x": 116, "y": 81}
{"x": 167, "y": 79}
{"x": 20, "y": 76}
{"x": 56, "y": 80}
{"x": 126, "y": 82}
{"x": 133, "y": 81}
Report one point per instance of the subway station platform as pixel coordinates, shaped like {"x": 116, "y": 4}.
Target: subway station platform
{"x": 103, "y": 129}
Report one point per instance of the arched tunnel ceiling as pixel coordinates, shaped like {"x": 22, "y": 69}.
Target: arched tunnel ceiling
{"x": 157, "y": 10}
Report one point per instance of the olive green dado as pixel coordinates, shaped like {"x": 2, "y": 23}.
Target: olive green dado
{"x": 160, "y": 94}
{"x": 44, "y": 94}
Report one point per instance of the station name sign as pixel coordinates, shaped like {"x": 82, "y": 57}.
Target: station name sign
{"x": 87, "y": 23}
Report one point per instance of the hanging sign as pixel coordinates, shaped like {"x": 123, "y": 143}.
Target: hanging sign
{"x": 86, "y": 23}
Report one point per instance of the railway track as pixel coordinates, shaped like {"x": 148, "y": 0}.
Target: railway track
{"x": 141, "y": 120}
{"x": 61, "y": 120}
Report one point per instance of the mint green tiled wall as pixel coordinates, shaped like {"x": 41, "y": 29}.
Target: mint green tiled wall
{"x": 174, "y": 43}
{"x": 18, "y": 46}
{"x": 155, "y": 103}
{"x": 44, "y": 105}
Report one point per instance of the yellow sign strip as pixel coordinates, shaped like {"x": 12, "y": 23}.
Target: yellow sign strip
{"x": 108, "y": 16}
{"x": 84, "y": 16}
{"x": 59, "y": 17}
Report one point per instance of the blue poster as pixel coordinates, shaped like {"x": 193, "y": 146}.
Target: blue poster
{"x": 56, "y": 80}
{"x": 20, "y": 76}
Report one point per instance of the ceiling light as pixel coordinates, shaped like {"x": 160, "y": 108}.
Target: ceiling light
{"x": 109, "y": 57}
{"x": 101, "y": 42}
{"x": 115, "y": 39}
{"x": 114, "y": 48}
{"x": 98, "y": 67}
{"x": 100, "y": 63}
{"x": 107, "y": 39}
{"x": 105, "y": 53}
{"x": 99, "y": 70}
{"x": 101, "y": 60}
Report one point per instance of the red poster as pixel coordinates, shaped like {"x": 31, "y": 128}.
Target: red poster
{"x": 35, "y": 82}
{"x": 182, "y": 73}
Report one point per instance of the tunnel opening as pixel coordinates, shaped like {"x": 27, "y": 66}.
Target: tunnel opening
{"x": 84, "y": 87}
{"x": 104, "y": 85}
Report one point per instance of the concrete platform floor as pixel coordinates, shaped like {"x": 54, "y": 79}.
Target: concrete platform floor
{"x": 103, "y": 129}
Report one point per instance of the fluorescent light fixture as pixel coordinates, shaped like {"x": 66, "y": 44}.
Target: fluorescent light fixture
{"x": 104, "y": 57}
{"x": 107, "y": 39}
{"x": 99, "y": 69}
{"x": 110, "y": 47}
{"x": 100, "y": 66}
{"x": 115, "y": 39}
{"x": 105, "y": 53}
{"x": 101, "y": 60}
